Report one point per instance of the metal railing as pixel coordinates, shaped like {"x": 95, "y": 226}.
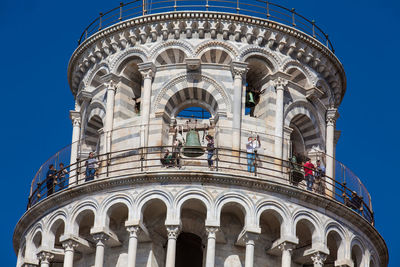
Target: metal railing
{"x": 255, "y": 8}
{"x": 127, "y": 162}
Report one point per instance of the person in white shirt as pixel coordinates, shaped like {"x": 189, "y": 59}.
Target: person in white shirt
{"x": 250, "y": 154}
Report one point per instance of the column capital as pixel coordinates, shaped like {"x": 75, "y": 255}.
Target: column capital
{"x": 239, "y": 69}
{"x": 84, "y": 96}
{"x": 133, "y": 230}
{"x": 318, "y": 258}
{"x": 111, "y": 85}
{"x": 147, "y": 69}
{"x": 45, "y": 256}
{"x": 70, "y": 244}
{"x": 249, "y": 237}
{"x": 286, "y": 246}
{"x": 280, "y": 83}
{"x": 212, "y": 231}
{"x": 75, "y": 117}
{"x": 100, "y": 238}
{"x": 173, "y": 231}
{"x": 332, "y": 115}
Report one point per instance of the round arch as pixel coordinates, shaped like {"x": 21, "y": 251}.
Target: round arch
{"x": 244, "y": 203}
{"x": 186, "y": 47}
{"x": 133, "y": 53}
{"x": 190, "y": 194}
{"x": 308, "y": 74}
{"x": 281, "y": 212}
{"x": 205, "y": 46}
{"x": 115, "y": 199}
{"x": 145, "y": 197}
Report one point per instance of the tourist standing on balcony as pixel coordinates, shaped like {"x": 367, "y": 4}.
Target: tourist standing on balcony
{"x": 308, "y": 170}
{"x": 91, "y": 164}
{"x": 61, "y": 176}
{"x": 250, "y": 154}
{"x": 319, "y": 174}
{"x": 51, "y": 173}
{"x": 210, "y": 150}
{"x": 176, "y": 152}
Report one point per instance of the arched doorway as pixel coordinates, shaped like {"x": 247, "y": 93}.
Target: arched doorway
{"x": 189, "y": 250}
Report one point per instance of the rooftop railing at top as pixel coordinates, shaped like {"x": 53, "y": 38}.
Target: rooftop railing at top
{"x": 345, "y": 181}
{"x": 255, "y": 8}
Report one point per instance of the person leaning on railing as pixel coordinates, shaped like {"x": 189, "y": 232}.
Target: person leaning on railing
{"x": 61, "y": 176}
{"x": 167, "y": 160}
{"x": 210, "y": 150}
{"x": 50, "y": 179}
{"x": 308, "y": 170}
{"x": 319, "y": 174}
{"x": 91, "y": 165}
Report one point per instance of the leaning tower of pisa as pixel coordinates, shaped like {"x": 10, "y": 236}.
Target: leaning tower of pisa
{"x": 193, "y": 121}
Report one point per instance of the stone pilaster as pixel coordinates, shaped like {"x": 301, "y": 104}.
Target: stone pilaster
{"x": 287, "y": 250}
{"x": 133, "y": 242}
{"x": 100, "y": 239}
{"x": 331, "y": 117}
{"x": 280, "y": 85}
{"x": 147, "y": 69}
{"x": 173, "y": 233}
{"x": 211, "y": 241}
{"x": 250, "y": 239}
{"x": 75, "y": 117}
{"x": 69, "y": 249}
{"x": 239, "y": 70}
{"x": 45, "y": 258}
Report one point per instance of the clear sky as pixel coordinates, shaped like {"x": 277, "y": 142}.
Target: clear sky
{"x": 39, "y": 36}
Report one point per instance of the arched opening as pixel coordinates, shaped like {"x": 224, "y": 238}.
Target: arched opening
{"x": 92, "y": 137}
{"x": 232, "y": 223}
{"x": 271, "y": 224}
{"x": 356, "y": 255}
{"x": 189, "y": 250}
{"x": 56, "y": 230}
{"x": 37, "y": 242}
{"x": 116, "y": 218}
{"x": 297, "y": 76}
{"x": 334, "y": 243}
{"x": 96, "y": 81}
{"x": 194, "y": 113}
{"x": 304, "y": 232}
{"x": 258, "y": 69}
{"x": 154, "y": 213}
{"x": 304, "y": 137}
{"x": 83, "y": 223}
{"x": 131, "y": 88}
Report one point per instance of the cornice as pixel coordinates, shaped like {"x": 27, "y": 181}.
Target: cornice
{"x": 188, "y": 177}
{"x": 140, "y": 22}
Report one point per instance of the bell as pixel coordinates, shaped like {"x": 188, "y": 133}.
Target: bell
{"x": 250, "y": 100}
{"x": 192, "y": 147}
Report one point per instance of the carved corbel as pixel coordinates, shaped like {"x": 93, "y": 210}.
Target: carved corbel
{"x": 132, "y": 37}
{"x": 123, "y": 42}
{"x": 192, "y": 64}
{"x": 271, "y": 40}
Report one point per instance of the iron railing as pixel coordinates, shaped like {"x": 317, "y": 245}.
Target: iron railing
{"x": 255, "y": 8}
{"x": 127, "y": 162}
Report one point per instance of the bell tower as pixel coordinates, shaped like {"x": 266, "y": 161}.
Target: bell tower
{"x": 204, "y": 134}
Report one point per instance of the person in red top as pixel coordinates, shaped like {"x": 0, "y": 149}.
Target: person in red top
{"x": 308, "y": 171}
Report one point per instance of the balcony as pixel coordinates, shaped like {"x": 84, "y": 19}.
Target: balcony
{"x": 345, "y": 188}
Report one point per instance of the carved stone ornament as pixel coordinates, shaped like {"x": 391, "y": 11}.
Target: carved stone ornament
{"x": 70, "y": 245}
{"x": 173, "y": 231}
{"x": 212, "y": 231}
{"x": 280, "y": 83}
{"x": 100, "y": 237}
{"x": 286, "y": 246}
{"x": 133, "y": 230}
{"x": 318, "y": 258}
{"x": 331, "y": 116}
{"x": 45, "y": 256}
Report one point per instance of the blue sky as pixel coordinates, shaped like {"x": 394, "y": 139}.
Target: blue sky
{"x": 38, "y": 38}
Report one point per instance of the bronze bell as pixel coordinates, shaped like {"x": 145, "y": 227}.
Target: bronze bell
{"x": 250, "y": 100}
{"x": 192, "y": 147}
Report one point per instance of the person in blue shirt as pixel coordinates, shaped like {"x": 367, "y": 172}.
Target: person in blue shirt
{"x": 61, "y": 177}
{"x": 50, "y": 179}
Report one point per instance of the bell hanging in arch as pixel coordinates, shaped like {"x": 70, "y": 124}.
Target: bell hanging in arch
{"x": 250, "y": 100}
{"x": 192, "y": 147}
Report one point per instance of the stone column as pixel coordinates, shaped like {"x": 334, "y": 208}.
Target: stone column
{"x": 69, "y": 249}
{"x": 100, "y": 239}
{"x": 211, "y": 240}
{"x": 75, "y": 117}
{"x": 250, "y": 239}
{"x": 133, "y": 242}
{"x": 318, "y": 259}
{"x": 173, "y": 232}
{"x": 280, "y": 85}
{"x": 45, "y": 258}
{"x": 331, "y": 117}
{"x": 147, "y": 70}
{"x": 108, "y": 124}
{"x": 287, "y": 250}
{"x": 239, "y": 70}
